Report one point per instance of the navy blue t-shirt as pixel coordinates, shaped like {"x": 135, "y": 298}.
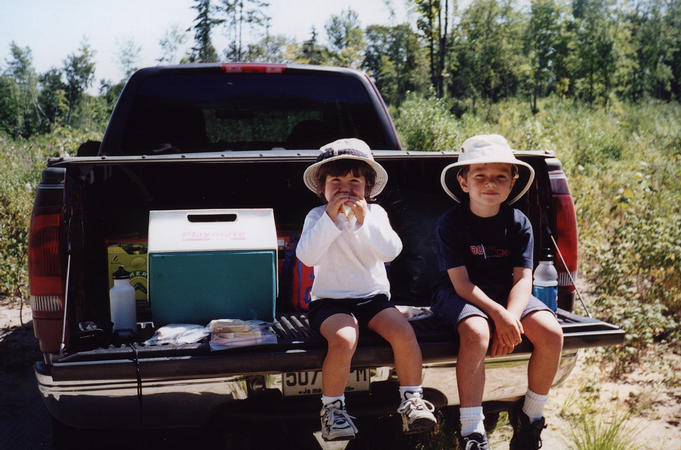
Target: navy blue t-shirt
{"x": 489, "y": 247}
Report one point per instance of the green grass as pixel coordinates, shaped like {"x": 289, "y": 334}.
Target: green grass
{"x": 594, "y": 433}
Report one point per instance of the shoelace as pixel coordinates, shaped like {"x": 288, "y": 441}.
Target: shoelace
{"x": 472, "y": 445}
{"x": 415, "y": 404}
{"x": 336, "y": 416}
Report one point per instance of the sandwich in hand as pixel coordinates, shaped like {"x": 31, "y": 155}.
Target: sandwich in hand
{"x": 347, "y": 211}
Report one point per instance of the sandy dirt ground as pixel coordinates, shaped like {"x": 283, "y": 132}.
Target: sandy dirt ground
{"x": 651, "y": 395}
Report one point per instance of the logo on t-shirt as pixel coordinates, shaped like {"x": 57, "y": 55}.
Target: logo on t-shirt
{"x": 489, "y": 251}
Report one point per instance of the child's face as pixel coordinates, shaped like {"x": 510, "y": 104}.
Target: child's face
{"x": 349, "y": 183}
{"x": 488, "y": 186}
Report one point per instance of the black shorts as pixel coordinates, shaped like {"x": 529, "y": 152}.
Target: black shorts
{"x": 363, "y": 309}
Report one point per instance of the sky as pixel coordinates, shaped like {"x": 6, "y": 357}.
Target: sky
{"x": 55, "y": 29}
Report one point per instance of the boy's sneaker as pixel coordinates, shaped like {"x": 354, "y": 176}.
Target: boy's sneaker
{"x": 526, "y": 435}
{"x": 337, "y": 423}
{"x": 475, "y": 441}
{"x": 417, "y": 414}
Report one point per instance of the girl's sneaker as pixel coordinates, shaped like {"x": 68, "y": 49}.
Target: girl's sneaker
{"x": 417, "y": 414}
{"x": 337, "y": 423}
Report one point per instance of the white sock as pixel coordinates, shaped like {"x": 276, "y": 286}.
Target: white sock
{"x": 472, "y": 420}
{"x": 411, "y": 390}
{"x": 533, "y": 405}
{"x": 327, "y": 399}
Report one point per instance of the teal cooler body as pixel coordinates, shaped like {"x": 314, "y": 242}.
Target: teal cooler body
{"x": 212, "y": 264}
{"x": 197, "y": 287}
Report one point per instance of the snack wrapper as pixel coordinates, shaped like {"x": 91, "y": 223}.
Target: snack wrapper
{"x": 230, "y": 333}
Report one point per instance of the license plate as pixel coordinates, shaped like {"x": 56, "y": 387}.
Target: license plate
{"x": 310, "y": 383}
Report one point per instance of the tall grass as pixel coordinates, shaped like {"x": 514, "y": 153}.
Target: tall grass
{"x": 592, "y": 433}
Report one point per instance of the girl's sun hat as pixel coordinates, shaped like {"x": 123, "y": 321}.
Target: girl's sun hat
{"x": 481, "y": 149}
{"x": 349, "y": 148}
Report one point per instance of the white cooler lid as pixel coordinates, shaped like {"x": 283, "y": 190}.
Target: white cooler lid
{"x": 211, "y": 229}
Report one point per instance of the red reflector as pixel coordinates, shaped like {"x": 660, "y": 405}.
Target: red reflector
{"x": 566, "y": 232}
{"x": 44, "y": 260}
{"x": 253, "y": 68}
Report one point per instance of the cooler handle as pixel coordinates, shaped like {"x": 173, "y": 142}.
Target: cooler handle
{"x": 202, "y": 218}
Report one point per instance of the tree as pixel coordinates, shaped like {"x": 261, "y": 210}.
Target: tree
{"x": 271, "y": 49}
{"x": 311, "y": 52}
{"x": 128, "y": 55}
{"x": 20, "y": 68}
{"x": 53, "y": 99}
{"x": 346, "y": 39}
{"x": 672, "y": 21}
{"x": 239, "y": 14}
{"x": 394, "y": 59}
{"x": 434, "y": 23}
{"x": 203, "y": 50}
{"x": 594, "y": 32}
{"x": 488, "y": 49}
{"x": 10, "y": 106}
{"x": 171, "y": 42}
{"x": 542, "y": 40}
{"x": 79, "y": 70}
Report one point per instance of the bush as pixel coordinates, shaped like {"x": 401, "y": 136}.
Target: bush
{"x": 21, "y": 162}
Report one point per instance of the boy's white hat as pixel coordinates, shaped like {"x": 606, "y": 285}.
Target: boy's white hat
{"x": 481, "y": 149}
{"x": 350, "y": 148}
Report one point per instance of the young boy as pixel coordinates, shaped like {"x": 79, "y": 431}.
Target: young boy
{"x": 485, "y": 258}
{"x": 348, "y": 241}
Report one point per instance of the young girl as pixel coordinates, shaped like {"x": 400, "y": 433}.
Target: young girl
{"x": 348, "y": 241}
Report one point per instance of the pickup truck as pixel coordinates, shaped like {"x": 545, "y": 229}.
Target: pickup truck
{"x": 213, "y": 136}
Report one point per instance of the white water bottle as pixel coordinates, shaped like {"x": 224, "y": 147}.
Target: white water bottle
{"x": 122, "y": 302}
{"x": 545, "y": 286}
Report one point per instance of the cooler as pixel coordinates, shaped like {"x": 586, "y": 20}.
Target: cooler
{"x": 212, "y": 264}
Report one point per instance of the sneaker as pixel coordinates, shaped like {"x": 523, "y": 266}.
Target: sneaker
{"x": 417, "y": 414}
{"x": 526, "y": 435}
{"x": 337, "y": 423}
{"x": 475, "y": 441}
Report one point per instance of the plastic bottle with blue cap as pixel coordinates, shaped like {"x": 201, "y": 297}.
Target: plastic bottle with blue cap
{"x": 545, "y": 285}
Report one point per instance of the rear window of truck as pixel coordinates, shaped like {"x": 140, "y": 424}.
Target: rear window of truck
{"x": 204, "y": 112}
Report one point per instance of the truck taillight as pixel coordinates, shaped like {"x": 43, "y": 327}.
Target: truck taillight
{"x": 253, "y": 68}
{"x": 565, "y": 233}
{"x": 45, "y": 260}
{"x": 45, "y": 272}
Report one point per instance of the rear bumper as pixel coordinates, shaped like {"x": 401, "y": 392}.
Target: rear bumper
{"x": 196, "y": 401}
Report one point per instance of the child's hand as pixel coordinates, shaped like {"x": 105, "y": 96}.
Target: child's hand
{"x": 507, "y": 334}
{"x": 359, "y": 207}
{"x": 499, "y": 349}
{"x": 335, "y": 205}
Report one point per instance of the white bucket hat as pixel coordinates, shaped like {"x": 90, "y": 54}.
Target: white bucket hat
{"x": 350, "y": 148}
{"x": 481, "y": 149}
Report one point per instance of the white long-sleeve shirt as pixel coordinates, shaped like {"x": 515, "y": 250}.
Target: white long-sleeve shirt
{"x": 348, "y": 258}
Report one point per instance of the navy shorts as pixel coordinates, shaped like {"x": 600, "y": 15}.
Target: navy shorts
{"x": 452, "y": 309}
{"x": 363, "y": 309}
